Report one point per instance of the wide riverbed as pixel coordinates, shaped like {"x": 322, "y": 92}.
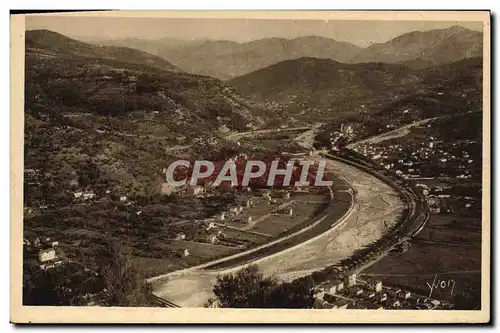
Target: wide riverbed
{"x": 376, "y": 207}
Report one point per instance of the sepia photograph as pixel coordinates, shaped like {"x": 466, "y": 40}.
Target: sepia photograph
{"x": 298, "y": 166}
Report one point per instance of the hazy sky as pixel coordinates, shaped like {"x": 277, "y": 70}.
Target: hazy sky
{"x": 357, "y": 32}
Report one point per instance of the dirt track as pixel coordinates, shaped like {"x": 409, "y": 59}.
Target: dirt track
{"x": 376, "y": 203}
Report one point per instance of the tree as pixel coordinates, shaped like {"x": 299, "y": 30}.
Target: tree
{"x": 248, "y": 288}
{"x": 63, "y": 285}
{"x": 89, "y": 173}
{"x": 122, "y": 281}
{"x": 294, "y": 295}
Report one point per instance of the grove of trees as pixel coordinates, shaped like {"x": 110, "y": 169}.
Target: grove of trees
{"x": 249, "y": 288}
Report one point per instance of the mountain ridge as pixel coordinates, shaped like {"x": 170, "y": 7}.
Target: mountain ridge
{"x": 226, "y": 59}
{"x": 55, "y": 42}
{"x": 305, "y": 90}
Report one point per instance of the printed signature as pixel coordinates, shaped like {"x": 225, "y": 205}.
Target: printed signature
{"x": 441, "y": 284}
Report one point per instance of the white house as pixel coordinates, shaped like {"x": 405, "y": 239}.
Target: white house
{"x": 46, "y": 255}
{"x": 213, "y": 239}
{"x": 351, "y": 280}
{"x": 88, "y": 195}
{"x": 180, "y": 236}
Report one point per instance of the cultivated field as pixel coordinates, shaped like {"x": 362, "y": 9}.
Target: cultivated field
{"x": 448, "y": 252}
{"x": 424, "y": 262}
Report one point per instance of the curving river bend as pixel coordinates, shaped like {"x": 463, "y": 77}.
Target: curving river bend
{"x": 376, "y": 207}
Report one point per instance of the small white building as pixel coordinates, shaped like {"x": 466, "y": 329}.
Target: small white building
{"x": 196, "y": 190}
{"x": 180, "y": 236}
{"x": 339, "y": 285}
{"x": 351, "y": 280}
{"x": 88, "y": 195}
{"x": 377, "y": 286}
{"x": 213, "y": 239}
{"x": 123, "y": 198}
{"x": 46, "y": 255}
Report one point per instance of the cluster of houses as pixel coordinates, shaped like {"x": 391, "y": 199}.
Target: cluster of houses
{"x": 427, "y": 158}
{"x": 441, "y": 199}
{"x": 210, "y": 140}
{"x": 214, "y": 227}
{"x": 89, "y": 195}
{"x": 345, "y": 134}
{"x": 348, "y": 292}
{"x": 84, "y": 195}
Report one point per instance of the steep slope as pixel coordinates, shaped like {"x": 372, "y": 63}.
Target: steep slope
{"x": 308, "y": 89}
{"x": 438, "y": 46}
{"x": 120, "y": 121}
{"x": 441, "y": 91}
{"x": 227, "y": 59}
{"x": 55, "y": 43}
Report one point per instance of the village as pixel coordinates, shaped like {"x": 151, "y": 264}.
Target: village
{"x": 351, "y": 292}
{"x": 257, "y": 217}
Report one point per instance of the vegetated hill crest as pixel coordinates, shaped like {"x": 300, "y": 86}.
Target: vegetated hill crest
{"x": 308, "y": 89}
{"x": 54, "y": 43}
{"x": 439, "y": 46}
{"x": 308, "y": 75}
{"x": 228, "y": 59}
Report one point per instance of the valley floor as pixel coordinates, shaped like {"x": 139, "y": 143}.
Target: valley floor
{"x": 376, "y": 207}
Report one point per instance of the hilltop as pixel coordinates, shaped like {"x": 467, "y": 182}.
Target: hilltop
{"x": 310, "y": 89}
{"x": 228, "y": 59}
{"x": 439, "y": 46}
{"x": 307, "y": 89}
{"x": 52, "y": 43}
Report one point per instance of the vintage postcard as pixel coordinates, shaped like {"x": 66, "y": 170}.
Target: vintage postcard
{"x": 250, "y": 167}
